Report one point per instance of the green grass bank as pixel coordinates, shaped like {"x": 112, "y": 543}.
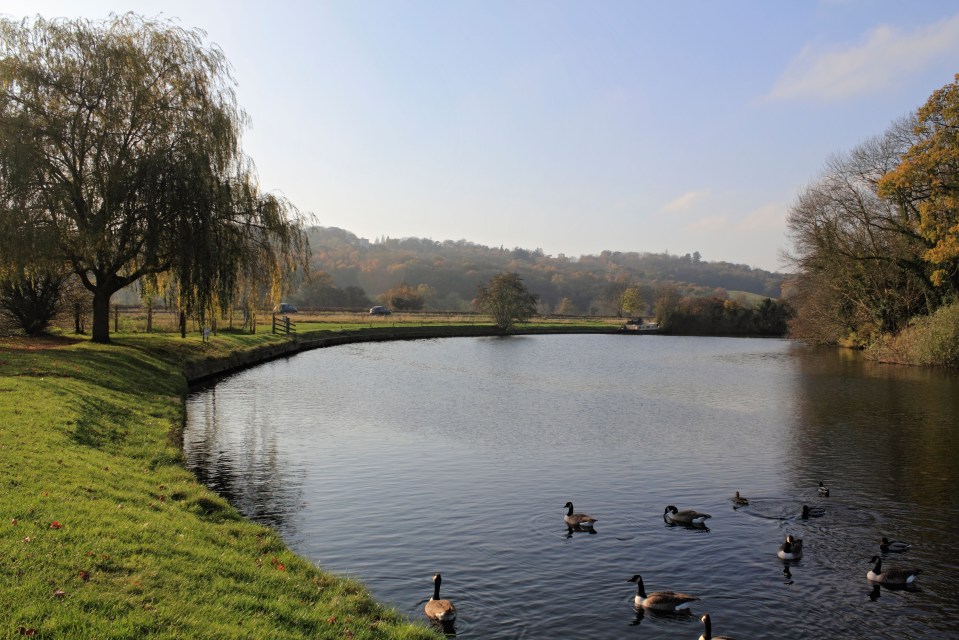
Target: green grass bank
{"x": 105, "y": 534}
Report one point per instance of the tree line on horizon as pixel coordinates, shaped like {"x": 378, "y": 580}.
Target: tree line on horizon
{"x": 425, "y": 274}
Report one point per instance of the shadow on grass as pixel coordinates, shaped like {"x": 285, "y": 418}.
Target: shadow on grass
{"x": 99, "y": 423}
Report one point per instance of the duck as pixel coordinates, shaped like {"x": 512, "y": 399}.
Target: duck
{"x": 893, "y": 546}
{"x": 577, "y": 519}
{"x": 811, "y": 512}
{"x": 740, "y": 500}
{"x": 440, "y": 610}
{"x": 660, "y": 600}
{"x": 687, "y": 516}
{"x": 893, "y": 577}
{"x": 708, "y": 631}
{"x": 791, "y": 549}
{"x": 823, "y": 490}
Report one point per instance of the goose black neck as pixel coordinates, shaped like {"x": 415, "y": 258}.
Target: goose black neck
{"x": 640, "y": 589}
{"x": 436, "y": 587}
{"x": 708, "y": 631}
{"x": 877, "y": 569}
{"x": 570, "y": 512}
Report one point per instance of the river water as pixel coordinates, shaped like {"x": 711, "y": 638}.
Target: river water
{"x": 388, "y": 462}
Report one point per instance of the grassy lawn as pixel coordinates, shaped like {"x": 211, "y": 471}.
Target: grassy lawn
{"x": 105, "y": 534}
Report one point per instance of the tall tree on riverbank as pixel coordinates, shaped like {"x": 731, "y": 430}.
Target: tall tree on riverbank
{"x": 120, "y": 146}
{"x": 926, "y": 183}
{"x": 507, "y": 300}
{"x": 858, "y": 257}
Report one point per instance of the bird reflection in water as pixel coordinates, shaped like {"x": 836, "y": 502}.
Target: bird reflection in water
{"x": 446, "y": 627}
{"x": 640, "y": 614}
{"x": 787, "y": 573}
{"x": 876, "y": 592}
{"x": 571, "y": 529}
{"x": 693, "y": 526}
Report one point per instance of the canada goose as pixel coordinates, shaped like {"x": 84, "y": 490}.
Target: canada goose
{"x": 660, "y": 600}
{"x": 893, "y": 546}
{"x": 811, "y": 512}
{"x": 740, "y": 500}
{"x": 891, "y": 576}
{"x": 823, "y": 490}
{"x": 708, "y": 631}
{"x": 577, "y": 519}
{"x": 687, "y": 516}
{"x": 791, "y": 549}
{"x": 441, "y": 610}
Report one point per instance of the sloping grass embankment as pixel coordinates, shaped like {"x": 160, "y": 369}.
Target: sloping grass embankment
{"x": 105, "y": 534}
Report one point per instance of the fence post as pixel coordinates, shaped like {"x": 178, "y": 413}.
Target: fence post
{"x": 274, "y": 323}
{"x": 116, "y": 318}
{"x": 149, "y": 315}
{"x": 286, "y": 320}
{"x": 182, "y": 323}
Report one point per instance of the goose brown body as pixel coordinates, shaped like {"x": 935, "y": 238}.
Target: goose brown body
{"x": 577, "y": 519}
{"x": 739, "y": 500}
{"x": 894, "y": 577}
{"x": 437, "y": 609}
{"x": 660, "y": 600}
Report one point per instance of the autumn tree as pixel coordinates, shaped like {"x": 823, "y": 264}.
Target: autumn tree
{"x": 926, "y": 183}
{"x": 858, "y": 257}
{"x": 120, "y": 145}
{"x": 507, "y": 300}
{"x": 633, "y": 302}
{"x": 403, "y": 297}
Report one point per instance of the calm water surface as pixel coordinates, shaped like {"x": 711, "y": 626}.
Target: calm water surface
{"x": 390, "y": 461}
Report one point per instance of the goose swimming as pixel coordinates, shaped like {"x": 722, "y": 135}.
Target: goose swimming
{"x": 660, "y": 600}
{"x": 687, "y": 516}
{"x": 577, "y": 519}
{"x": 441, "y": 610}
{"x": 791, "y": 549}
{"x": 894, "y": 577}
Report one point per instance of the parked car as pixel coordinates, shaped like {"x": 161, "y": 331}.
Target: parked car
{"x": 284, "y": 307}
{"x": 380, "y": 311}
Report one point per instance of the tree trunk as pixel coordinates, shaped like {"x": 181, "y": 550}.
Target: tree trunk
{"x": 101, "y": 315}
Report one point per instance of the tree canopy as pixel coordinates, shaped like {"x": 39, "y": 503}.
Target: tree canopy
{"x": 507, "y": 300}
{"x": 927, "y": 182}
{"x": 876, "y": 237}
{"x": 120, "y": 158}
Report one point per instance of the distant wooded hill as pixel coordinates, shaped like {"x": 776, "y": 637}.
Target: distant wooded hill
{"x": 445, "y": 275}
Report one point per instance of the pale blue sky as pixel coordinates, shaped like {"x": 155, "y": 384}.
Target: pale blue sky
{"x": 569, "y": 126}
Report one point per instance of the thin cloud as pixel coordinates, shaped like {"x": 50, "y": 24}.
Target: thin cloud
{"x": 883, "y": 59}
{"x": 768, "y": 217}
{"x": 709, "y": 224}
{"x": 685, "y": 201}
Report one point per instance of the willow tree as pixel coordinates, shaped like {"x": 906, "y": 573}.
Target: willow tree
{"x": 120, "y": 144}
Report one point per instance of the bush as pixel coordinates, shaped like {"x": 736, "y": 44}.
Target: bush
{"x": 30, "y": 300}
{"x": 929, "y": 340}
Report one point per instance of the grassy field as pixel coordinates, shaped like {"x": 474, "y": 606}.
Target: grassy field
{"x": 105, "y": 534}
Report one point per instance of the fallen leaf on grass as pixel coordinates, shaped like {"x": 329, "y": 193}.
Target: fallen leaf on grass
{"x": 56, "y": 525}
{"x": 59, "y": 593}
{"x": 24, "y": 631}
